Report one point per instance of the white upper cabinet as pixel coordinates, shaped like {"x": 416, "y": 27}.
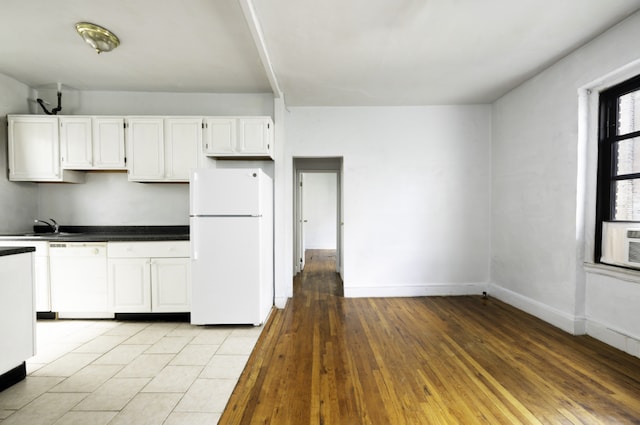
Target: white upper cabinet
{"x": 255, "y": 136}
{"x": 75, "y": 143}
{"x": 220, "y": 136}
{"x": 183, "y": 141}
{"x": 108, "y": 143}
{"x": 92, "y": 143}
{"x": 46, "y": 148}
{"x": 34, "y": 150}
{"x": 145, "y": 148}
{"x": 242, "y": 137}
{"x": 163, "y": 149}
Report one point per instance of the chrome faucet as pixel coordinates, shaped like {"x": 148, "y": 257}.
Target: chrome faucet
{"x": 55, "y": 228}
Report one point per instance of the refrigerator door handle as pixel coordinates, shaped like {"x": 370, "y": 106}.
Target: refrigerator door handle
{"x": 194, "y": 240}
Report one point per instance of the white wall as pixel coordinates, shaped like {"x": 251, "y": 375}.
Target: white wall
{"x": 107, "y": 198}
{"x": 416, "y": 190}
{"x": 150, "y": 103}
{"x": 18, "y": 200}
{"x": 542, "y": 203}
{"x": 320, "y": 209}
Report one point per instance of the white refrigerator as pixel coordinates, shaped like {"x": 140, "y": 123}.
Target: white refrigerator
{"x": 231, "y": 232}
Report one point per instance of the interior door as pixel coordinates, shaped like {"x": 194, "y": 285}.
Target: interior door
{"x": 301, "y": 226}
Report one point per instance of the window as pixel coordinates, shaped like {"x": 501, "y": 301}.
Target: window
{"x": 618, "y": 157}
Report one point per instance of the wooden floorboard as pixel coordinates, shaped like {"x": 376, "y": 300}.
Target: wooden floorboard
{"x": 325, "y": 359}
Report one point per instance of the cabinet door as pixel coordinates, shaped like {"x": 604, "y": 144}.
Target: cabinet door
{"x": 108, "y": 143}
{"x": 220, "y": 136}
{"x": 170, "y": 285}
{"x": 130, "y": 285}
{"x": 183, "y": 141}
{"x": 75, "y": 143}
{"x": 34, "y": 151}
{"x": 254, "y": 136}
{"x": 145, "y": 149}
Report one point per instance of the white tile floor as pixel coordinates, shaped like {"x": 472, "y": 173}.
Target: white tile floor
{"x": 108, "y": 372}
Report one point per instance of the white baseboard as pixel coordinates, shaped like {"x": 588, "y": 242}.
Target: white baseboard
{"x": 569, "y": 323}
{"x": 280, "y": 302}
{"x": 414, "y": 291}
{"x": 614, "y": 337}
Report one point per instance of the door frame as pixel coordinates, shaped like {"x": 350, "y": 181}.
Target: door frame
{"x": 316, "y": 165}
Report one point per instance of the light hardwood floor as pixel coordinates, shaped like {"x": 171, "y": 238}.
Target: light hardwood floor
{"x": 325, "y": 359}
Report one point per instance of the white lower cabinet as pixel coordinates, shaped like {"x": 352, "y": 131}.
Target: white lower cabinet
{"x": 170, "y": 285}
{"x": 130, "y": 283}
{"x": 150, "y": 277}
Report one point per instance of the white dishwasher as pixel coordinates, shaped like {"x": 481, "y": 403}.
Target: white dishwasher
{"x": 78, "y": 273}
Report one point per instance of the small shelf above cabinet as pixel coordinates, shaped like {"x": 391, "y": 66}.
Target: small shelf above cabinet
{"x": 239, "y": 137}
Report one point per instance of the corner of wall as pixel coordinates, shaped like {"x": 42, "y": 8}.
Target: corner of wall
{"x": 575, "y": 325}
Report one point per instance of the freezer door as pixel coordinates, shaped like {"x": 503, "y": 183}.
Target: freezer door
{"x": 226, "y": 270}
{"x": 234, "y": 191}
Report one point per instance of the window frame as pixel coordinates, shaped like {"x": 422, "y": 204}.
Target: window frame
{"x": 608, "y": 109}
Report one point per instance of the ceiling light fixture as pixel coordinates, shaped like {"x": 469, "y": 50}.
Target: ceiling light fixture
{"x": 101, "y": 39}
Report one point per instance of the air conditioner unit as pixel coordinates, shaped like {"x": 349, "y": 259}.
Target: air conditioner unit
{"x": 621, "y": 244}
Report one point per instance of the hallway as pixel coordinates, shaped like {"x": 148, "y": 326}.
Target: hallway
{"x": 325, "y": 359}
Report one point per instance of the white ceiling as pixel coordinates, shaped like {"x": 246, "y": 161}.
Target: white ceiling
{"x": 322, "y": 52}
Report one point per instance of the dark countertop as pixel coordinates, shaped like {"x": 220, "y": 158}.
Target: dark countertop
{"x": 15, "y": 250}
{"x": 103, "y": 234}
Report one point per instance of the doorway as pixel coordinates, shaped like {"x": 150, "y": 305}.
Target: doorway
{"x": 318, "y": 209}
